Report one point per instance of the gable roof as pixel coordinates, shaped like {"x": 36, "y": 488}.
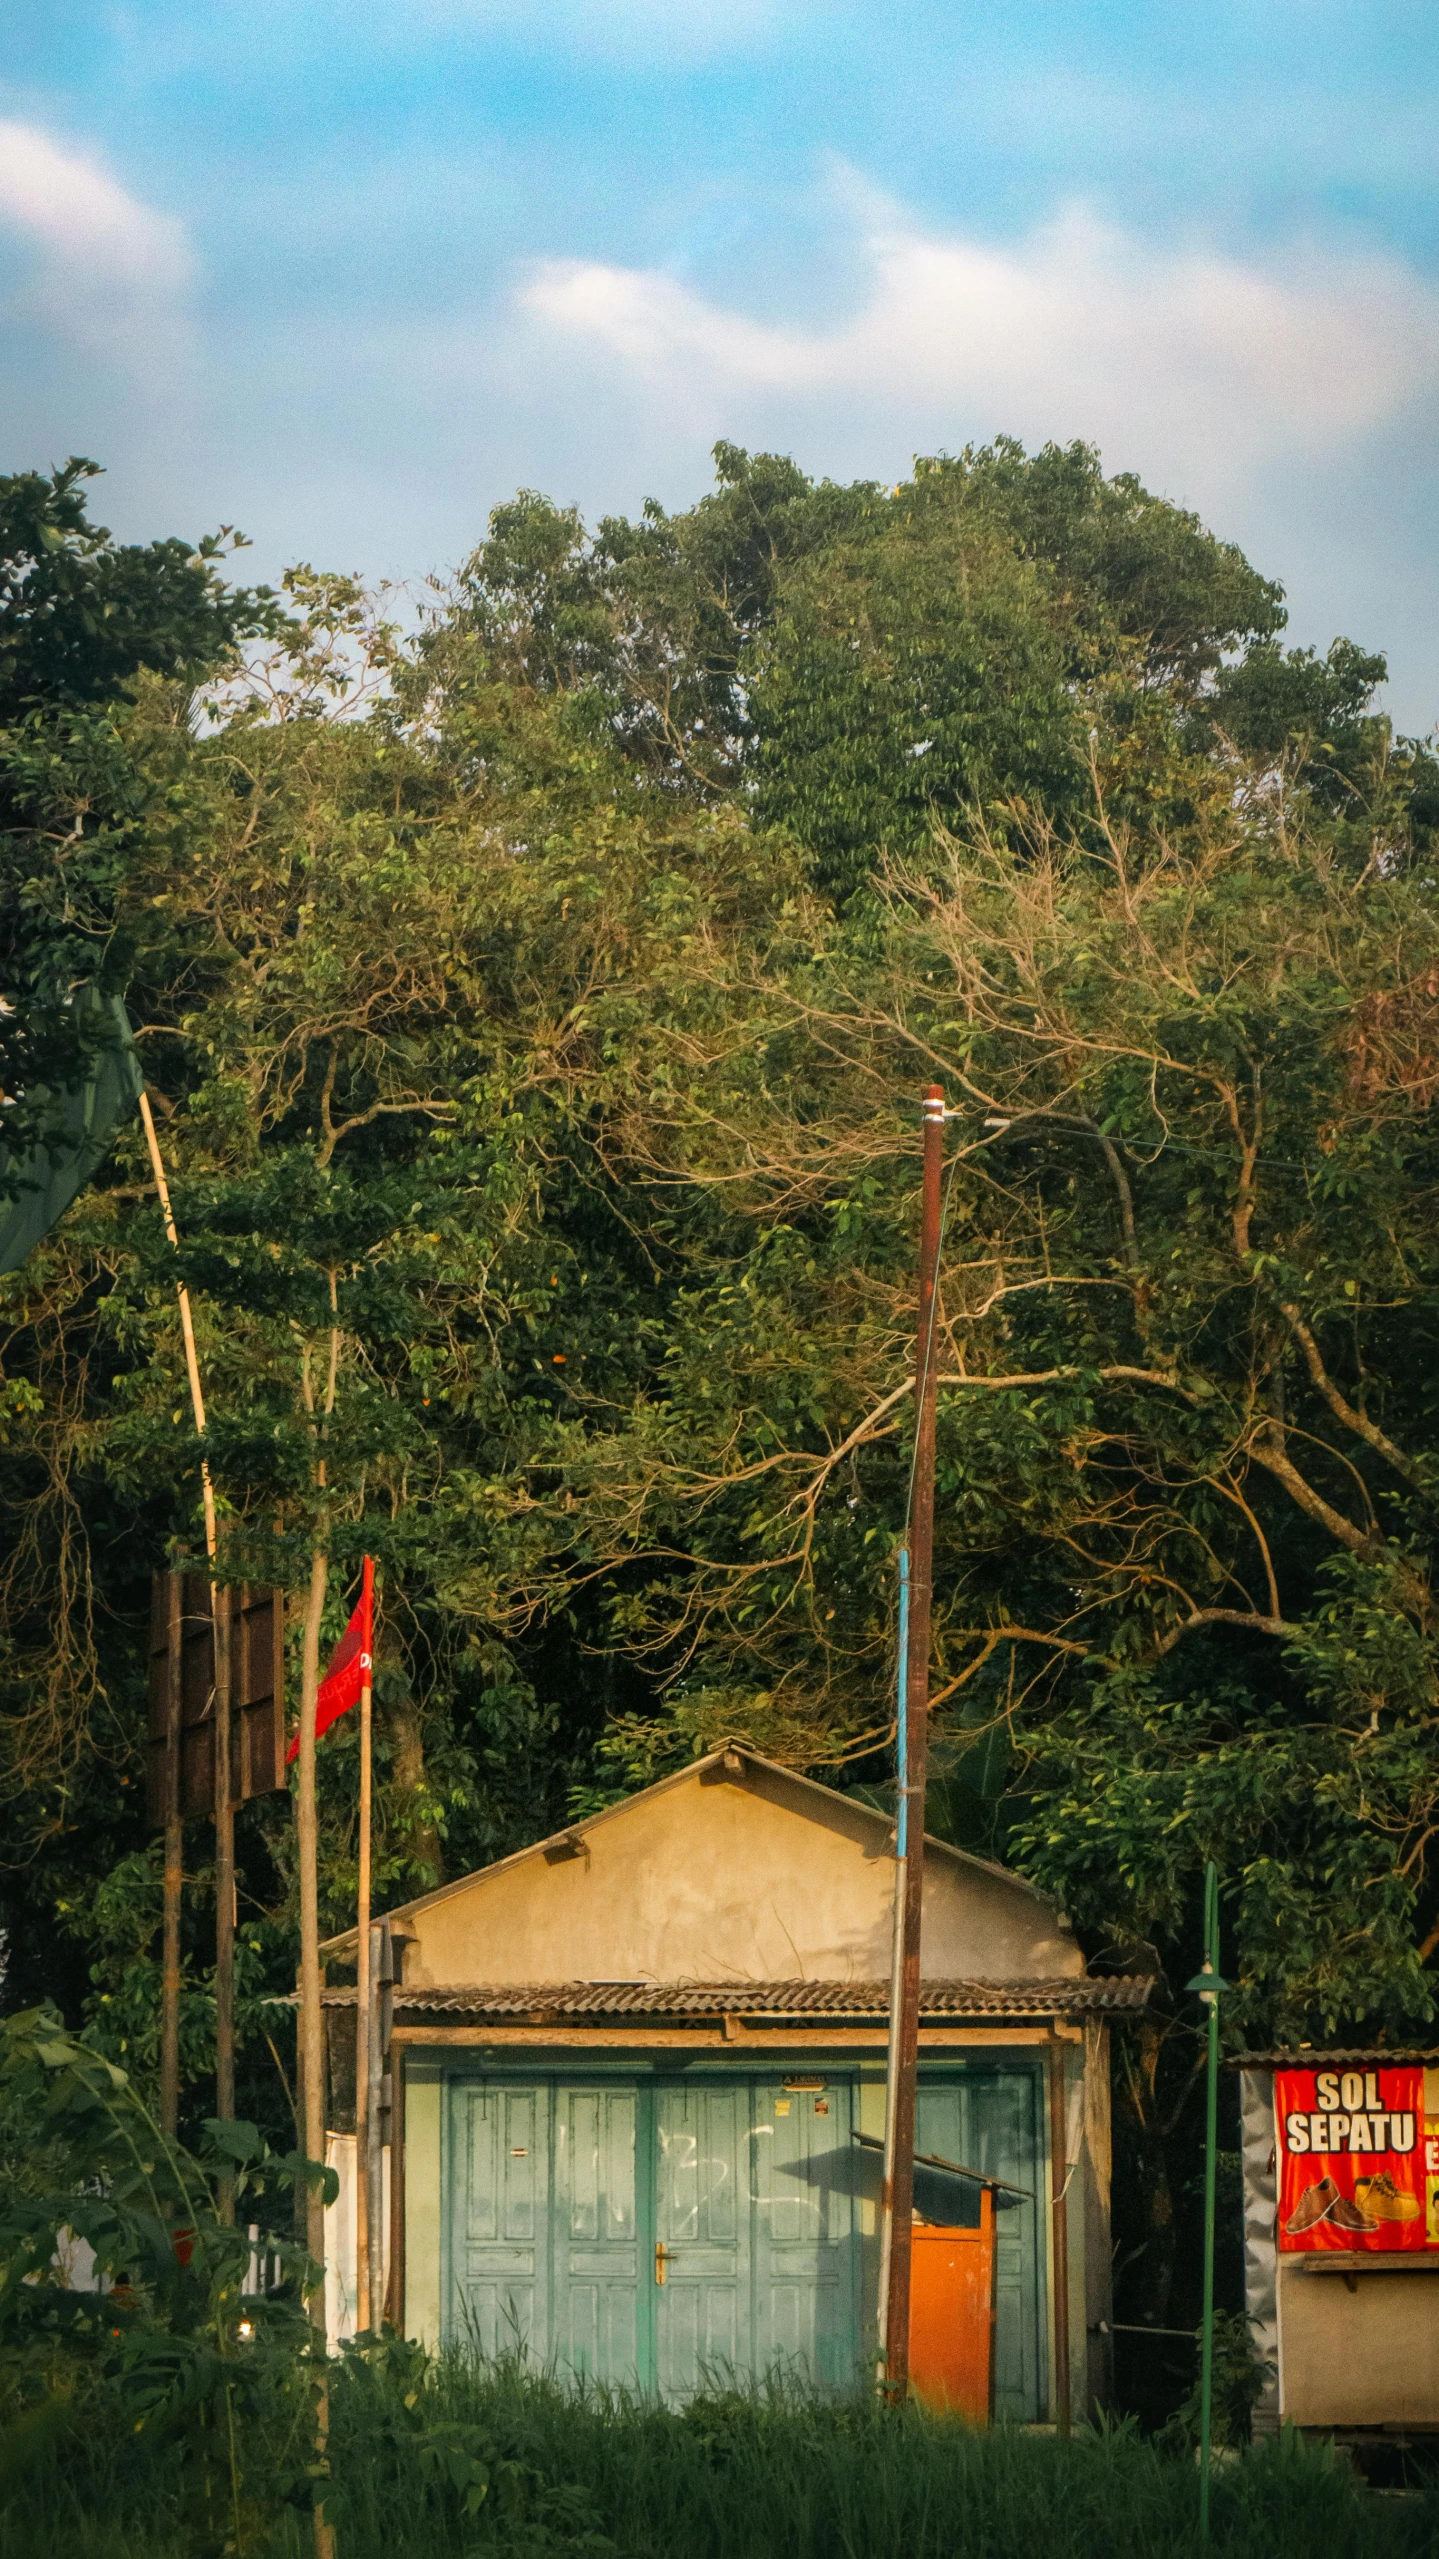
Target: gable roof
{"x": 730, "y": 1762}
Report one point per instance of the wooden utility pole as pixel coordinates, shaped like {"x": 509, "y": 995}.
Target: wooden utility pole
{"x": 921, "y": 1586}
{"x": 224, "y": 1814}
{"x": 367, "y": 2286}
{"x": 896, "y": 1957}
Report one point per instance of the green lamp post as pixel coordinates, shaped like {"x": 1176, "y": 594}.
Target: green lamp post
{"x": 1208, "y": 1984}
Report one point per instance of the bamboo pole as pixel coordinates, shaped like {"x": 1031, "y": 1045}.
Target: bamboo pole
{"x": 224, "y": 1811}
{"x": 311, "y": 2021}
{"x": 380, "y": 1956}
{"x": 365, "y": 2286}
{"x": 312, "y": 2055}
{"x": 921, "y": 1578}
{"x": 174, "y": 1862}
{"x": 312, "y": 2058}
{"x": 1209, "y": 1983}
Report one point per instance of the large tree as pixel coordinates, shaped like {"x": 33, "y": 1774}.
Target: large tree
{"x": 536, "y": 1011}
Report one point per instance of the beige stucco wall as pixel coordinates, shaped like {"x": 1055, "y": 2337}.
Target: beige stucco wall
{"x": 1369, "y": 2357}
{"x": 746, "y": 1879}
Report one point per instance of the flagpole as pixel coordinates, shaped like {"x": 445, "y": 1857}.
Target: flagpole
{"x": 364, "y": 1990}
{"x": 224, "y": 1814}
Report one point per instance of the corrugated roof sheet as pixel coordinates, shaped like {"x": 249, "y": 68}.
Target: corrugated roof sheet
{"x": 1343, "y": 2057}
{"x": 541, "y": 2002}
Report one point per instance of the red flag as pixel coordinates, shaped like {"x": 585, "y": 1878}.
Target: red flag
{"x": 350, "y": 1665}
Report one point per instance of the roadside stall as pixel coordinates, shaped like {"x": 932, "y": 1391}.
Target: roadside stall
{"x": 1341, "y": 2238}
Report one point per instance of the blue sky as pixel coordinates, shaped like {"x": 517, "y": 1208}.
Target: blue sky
{"x": 346, "y": 276}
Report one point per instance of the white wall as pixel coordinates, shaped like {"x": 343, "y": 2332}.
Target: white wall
{"x": 340, "y": 2278}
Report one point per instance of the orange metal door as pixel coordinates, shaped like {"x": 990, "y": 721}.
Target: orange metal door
{"x": 951, "y": 2317}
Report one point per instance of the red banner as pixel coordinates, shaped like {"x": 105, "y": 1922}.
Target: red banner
{"x": 1351, "y": 2158}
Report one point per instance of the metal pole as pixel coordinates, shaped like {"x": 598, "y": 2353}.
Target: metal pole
{"x": 364, "y": 1984}
{"x": 1211, "y": 2137}
{"x": 896, "y": 1963}
{"x": 921, "y": 1569}
{"x": 224, "y": 1821}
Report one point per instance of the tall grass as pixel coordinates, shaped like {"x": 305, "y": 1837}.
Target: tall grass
{"x": 459, "y": 2459}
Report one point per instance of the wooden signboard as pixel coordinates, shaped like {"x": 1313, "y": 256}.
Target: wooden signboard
{"x": 182, "y": 1652}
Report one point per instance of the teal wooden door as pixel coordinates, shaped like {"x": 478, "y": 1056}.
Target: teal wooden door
{"x": 500, "y": 2218}
{"x": 992, "y": 2120}
{"x": 596, "y": 2266}
{"x": 562, "y": 2194}
{"x": 703, "y": 2310}
{"x": 806, "y": 2252}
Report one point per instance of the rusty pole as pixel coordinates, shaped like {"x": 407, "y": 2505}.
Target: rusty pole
{"x": 921, "y": 1584}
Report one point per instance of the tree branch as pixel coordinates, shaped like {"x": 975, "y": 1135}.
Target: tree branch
{"x": 1219, "y": 1617}
{"x": 1269, "y": 1451}
{"x": 1340, "y": 1405}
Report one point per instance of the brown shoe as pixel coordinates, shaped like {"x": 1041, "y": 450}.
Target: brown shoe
{"x": 1383, "y": 2200}
{"x": 1347, "y": 2216}
{"x": 1315, "y": 2204}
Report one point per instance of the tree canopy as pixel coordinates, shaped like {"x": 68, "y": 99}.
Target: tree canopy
{"x": 536, "y": 1006}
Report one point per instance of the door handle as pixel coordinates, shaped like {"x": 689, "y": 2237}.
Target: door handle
{"x": 662, "y": 2258}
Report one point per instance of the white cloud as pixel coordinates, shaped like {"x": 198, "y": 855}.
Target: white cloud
{"x": 104, "y": 257}
{"x": 1185, "y": 362}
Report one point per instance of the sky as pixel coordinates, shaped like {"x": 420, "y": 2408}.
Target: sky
{"x": 346, "y": 276}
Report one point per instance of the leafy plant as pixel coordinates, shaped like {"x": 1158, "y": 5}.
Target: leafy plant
{"x": 165, "y": 2328}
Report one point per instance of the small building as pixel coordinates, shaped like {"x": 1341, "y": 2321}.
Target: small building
{"x": 635, "y": 2095}
{"x": 1341, "y": 2238}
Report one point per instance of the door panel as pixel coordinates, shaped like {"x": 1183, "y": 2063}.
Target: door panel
{"x": 990, "y": 2119}
{"x": 596, "y": 2250}
{"x": 806, "y": 2243}
{"x": 703, "y": 2324}
{"x": 500, "y": 2253}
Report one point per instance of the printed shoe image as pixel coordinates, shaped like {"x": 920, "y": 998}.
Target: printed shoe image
{"x": 1384, "y": 2201}
{"x": 1315, "y": 2204}
{"x": 1347, "y": 2216}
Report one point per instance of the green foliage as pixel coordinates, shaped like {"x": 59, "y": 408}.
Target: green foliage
{"x": 1240, "y": 2380}
{"x": 535, "y": 1010}
{"x": 81, "y": 618}
{"x": 733, "y": 2476}
{"x": 164, "y": 2341}
{"x": 80, "y": 615}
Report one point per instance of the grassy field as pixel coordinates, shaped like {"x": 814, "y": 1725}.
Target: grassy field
{"x": 456, "y": 2460}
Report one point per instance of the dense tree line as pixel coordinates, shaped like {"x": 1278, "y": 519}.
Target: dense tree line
{"x": 535, "y": 1006}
